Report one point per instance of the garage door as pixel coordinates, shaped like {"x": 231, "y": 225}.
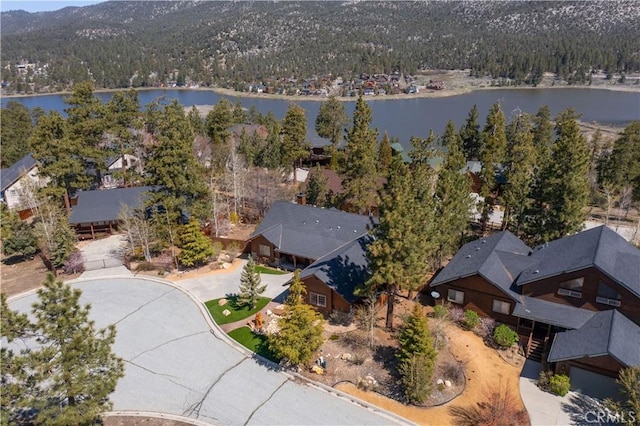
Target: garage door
{"x": 593, "y": 384}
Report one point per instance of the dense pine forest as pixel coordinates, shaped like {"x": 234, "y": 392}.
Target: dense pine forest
{"x": 137, "y": 44}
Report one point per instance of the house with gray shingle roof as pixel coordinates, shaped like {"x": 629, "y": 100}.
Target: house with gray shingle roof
{"x": 98, "y": 211}
{"x": 329, "y": 245}
{"x": 14, "y": 179}
{"x": 553, "y": 293}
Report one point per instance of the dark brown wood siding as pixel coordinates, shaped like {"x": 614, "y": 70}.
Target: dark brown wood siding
{"x": 335, "y": 302}
{"x": 604, "y": 365}
{"x": 255, "y": 249}
{"x": 479, "y": 296}
{"x": 547, "y": 289}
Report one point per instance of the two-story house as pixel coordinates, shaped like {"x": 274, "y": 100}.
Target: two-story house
{"x": 575, "y": 300}
{"x": 15, "y": 179}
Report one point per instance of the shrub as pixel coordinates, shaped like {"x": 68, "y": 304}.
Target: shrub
{"x": 486, "y": 327}
{"x": 457, "y": 314}
{"x": 543, "y": 379}
{"x": 145, "y": 266}
{"x": 233, "y": 249}
{"x": 217, "y": 248}
{"x": 497, "y": 407}
{"x": 74, "y": 264}
{"x": 504, "y": 336}
{"x": 559, "y": 384}
{"x": 440, "y": 311}
{"x": 454, "y": 371}
{"x": 334, "y": 337}
{"x": 471, "y": 319}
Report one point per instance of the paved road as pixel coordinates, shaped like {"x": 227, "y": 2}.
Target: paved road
{"x": 175, "y": 363}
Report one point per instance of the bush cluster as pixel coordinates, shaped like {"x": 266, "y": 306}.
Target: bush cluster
{"x": 504, "y": 336}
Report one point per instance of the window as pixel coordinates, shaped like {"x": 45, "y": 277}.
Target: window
{"x": 264, "y": 250}
{"x": 455, "y": 296}
{"x": 318, "y": 299}
{"x": 501, "y": 307}
{"x": 571, "y": 288}
{"x": 607, "y": 295}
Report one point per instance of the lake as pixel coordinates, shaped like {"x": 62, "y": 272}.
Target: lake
{"x": 404, "y": 118}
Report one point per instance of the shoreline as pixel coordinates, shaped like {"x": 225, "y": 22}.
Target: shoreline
{"x": 456, "y": 91}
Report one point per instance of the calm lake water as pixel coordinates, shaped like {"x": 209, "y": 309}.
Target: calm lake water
{"x": 405, "y": 118}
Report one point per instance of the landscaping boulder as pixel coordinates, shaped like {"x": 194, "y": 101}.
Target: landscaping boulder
{"x": 447, "y": 383}
{"x": 222, "y": 302}
{"x": 226, "y": 312}
{"x": 440, "y": 382}
{"x": 317, "y": 369}
{"x": 346, "y": 356}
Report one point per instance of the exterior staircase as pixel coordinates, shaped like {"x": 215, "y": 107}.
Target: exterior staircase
{"x": 536, "y": 349}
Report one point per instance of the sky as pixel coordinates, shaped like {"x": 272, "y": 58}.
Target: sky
{"x": 43, "y": 5}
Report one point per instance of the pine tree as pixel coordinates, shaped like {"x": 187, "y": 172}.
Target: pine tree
{"x": 398, "y": 257}
{"x": 566, "y": 181}
{"x": 494, "y": 146}
{"x": 384, "y": 155}
{"x": 68, "y": 377}
{"x": 197, "y": 123}
{"x": 294, "y": 139}
{"x": 417, "y": 357}
{"x": 250, "y": 285}
{"x": 17, "y": 235}
{"x": 16, "y": 128}
{"x": 453, "y": 200}
{"x": 543, "y": 134}
{"x": 330, "y": 122}
{"x": 300, "y": 334}
{"x": 197, "y": 249}
{"x": 316, "y": 187}
{"x": 519, "y": 171}
{"x": 218, "y": 121}
{"x": 360, "y": 171}
{"x": 470, "y": 134}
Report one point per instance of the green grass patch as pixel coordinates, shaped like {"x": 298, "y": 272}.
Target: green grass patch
{"x": 237, "y": 313}
{"x": 254, "y": 342}
{"x": 266, "y": 270}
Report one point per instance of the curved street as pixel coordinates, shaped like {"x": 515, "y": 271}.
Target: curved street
{"x": 178, "y": 362}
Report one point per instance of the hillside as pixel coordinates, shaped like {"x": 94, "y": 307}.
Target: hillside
{"x": 142, "y": 43}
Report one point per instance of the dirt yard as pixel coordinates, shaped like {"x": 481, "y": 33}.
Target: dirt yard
{"x": 20, "y": 275}
{"x": 484, "y": 368}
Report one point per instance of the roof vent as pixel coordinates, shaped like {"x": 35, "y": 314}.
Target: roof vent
{"x": 304, "y": 222}
{"x": 537, "y": 271}
{"x": 483, "y": 241}
{"x": 338, "y": 227}
{"x": 354, "y": 231}
{"x": 477, "y": 248}
{"x": 317, "y": 221}
{"x": 468, "y": 256}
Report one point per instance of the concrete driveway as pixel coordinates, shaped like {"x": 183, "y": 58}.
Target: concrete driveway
{"x": 177, "y": 362}
{"x": 546, "y": 409}
{"x": 106, "y": 253}
{"x": 223, "y": 283}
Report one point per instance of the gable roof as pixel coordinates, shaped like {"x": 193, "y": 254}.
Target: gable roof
{"x": 10, "y": 175}
{"x": 599, "y": 247}
{"x": 105, "y": 205}
{"x": 606, "y": 333}
{"x": 344, "y": 269}
{"x": 310, "y": 232}
{"x": 498, "y": 258}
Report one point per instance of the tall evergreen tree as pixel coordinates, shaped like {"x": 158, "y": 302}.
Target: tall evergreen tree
{"x": 494, "y": 146}
{"x": 197, "y": 123}
{"x": 300, "y": 334}
{"x": 294, "y": 139}
{"x": 316, "y": 187}
{"x": 68, "y": 377}
{"x": 172, "y": 164}
{"x": 398, "y": 257}
{"x": 57, "y": 154}
{"x": 453, "y": 200}
{"x": 250, "y": 285}
{"x": 360, "y": 170}
{"x": 543, "y": 134}
{"x": 470, "y": 134}
{"x": 560, "y": 196}
{"x": 451, "y": 136}
{"x": 330, "y": 123}
{"x": 519, "y": 171}
{"x": 384, "y": 155}
{"x": 16, "y": 128}
{"x": 417, "y": 357}
{"x": 218, "y": 121}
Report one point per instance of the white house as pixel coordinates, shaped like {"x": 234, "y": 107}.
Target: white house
{"x": 16, "y": 178}
{"x": 130, "y": 163}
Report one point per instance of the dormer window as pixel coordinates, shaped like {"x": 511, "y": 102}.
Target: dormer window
{"x": 608, "y": 296}
{"x": 571, "y": 288}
